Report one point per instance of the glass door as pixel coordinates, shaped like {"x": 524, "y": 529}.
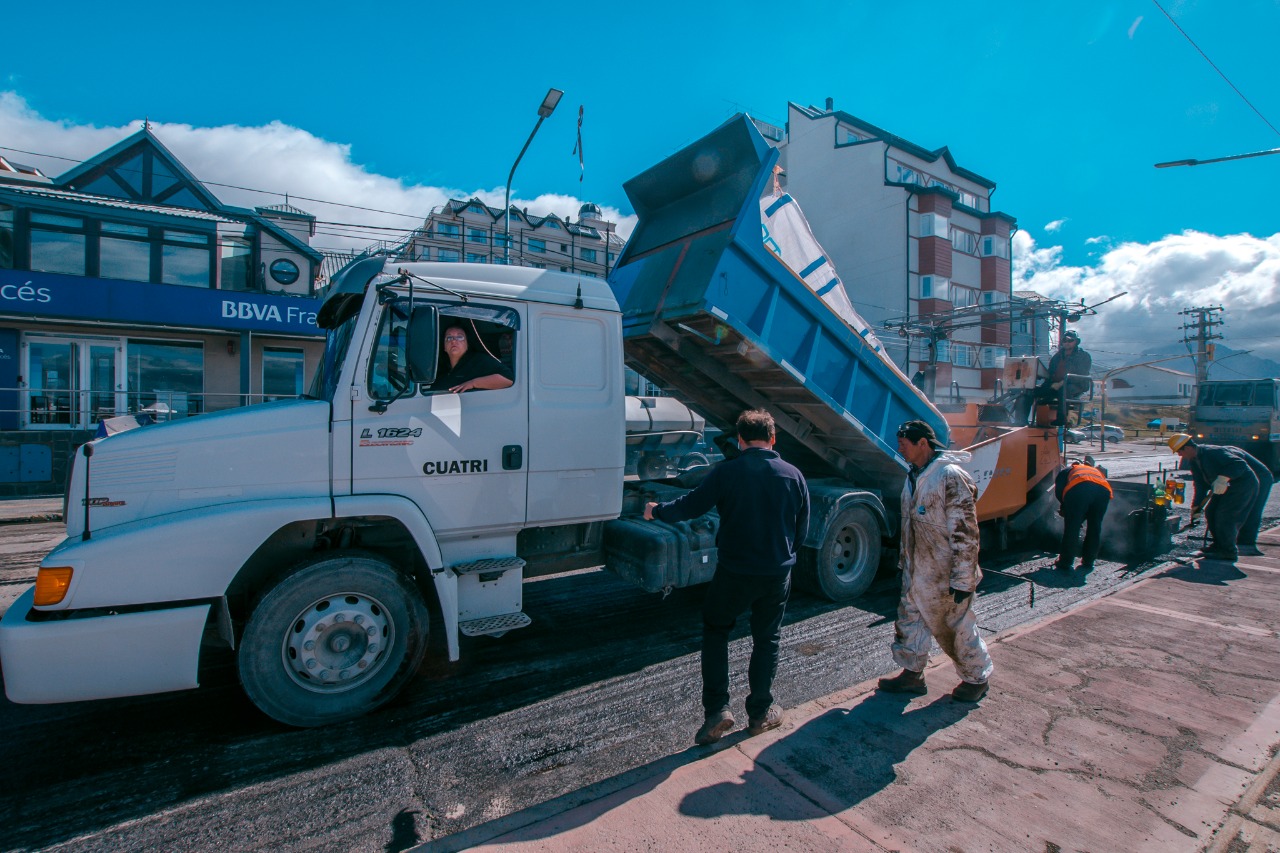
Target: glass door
{"x": 71, "y": 384}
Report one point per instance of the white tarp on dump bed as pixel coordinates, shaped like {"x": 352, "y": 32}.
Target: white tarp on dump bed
{"x": 787, "y": 234}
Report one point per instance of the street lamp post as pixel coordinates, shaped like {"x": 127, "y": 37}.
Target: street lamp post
{"x": 547, "y": 108}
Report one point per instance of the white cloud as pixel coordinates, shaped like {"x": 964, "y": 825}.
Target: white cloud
{"x": 1179, "y": 271}
{"x": 277, "y": 158}
{"x": 1055, "y": 225}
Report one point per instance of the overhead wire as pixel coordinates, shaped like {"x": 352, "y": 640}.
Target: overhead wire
{"x": 1233, "y": 86}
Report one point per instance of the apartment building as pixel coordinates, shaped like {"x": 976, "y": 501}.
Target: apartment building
{"x": 473, "y": 232}
{"x": 913, "y": 236}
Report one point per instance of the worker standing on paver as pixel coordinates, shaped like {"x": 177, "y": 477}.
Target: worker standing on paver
{"x": 1083, "y": 496}
{"x": 764, "y": 516}
{"x": 938, "y": 558}
{"x": 1235, "y": 486}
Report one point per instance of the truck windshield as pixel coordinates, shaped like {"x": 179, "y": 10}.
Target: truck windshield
{"x": 336, "y": 344}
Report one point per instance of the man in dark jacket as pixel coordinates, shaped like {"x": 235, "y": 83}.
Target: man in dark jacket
{"x": 1239, "y": 486}
{"x": 764, "y": 517}
{"x": 1069, "y": 361}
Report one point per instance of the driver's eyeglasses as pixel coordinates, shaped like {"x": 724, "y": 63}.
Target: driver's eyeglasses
{"x": 457, "y": 338}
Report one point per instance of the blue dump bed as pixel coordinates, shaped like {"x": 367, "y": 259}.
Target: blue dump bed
{"x": 713, "y": 315}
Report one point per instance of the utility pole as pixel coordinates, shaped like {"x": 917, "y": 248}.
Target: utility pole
{"x": 1202, "y": 323}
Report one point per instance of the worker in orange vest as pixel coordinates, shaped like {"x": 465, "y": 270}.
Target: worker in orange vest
{"x": 1084, "y": 495}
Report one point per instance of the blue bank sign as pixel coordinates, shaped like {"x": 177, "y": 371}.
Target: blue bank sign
{"x": 49, "y": 295}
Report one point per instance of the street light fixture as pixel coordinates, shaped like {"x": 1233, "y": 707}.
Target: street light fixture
{"x": 547, "y": 108}
{"x": 1194, "y": 162}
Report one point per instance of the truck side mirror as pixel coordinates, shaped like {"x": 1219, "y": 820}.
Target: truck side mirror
{"x": 423, "y": 345}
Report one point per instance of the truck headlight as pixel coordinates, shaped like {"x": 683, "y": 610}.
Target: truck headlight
{"x": 52, "y": 585}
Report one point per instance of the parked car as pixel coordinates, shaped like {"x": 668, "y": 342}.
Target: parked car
{"x": 1175, "y": 426}
{"x": 1075, "y": 436}
{"x": 1094, "y": 431}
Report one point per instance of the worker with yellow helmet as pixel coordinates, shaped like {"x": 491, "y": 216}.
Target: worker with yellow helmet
{"x": 1239, "y": 486}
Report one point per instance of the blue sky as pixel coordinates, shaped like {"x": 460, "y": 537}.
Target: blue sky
{"x": 399, "y": 106}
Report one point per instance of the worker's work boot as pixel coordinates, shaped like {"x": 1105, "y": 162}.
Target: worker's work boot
{"x": 966, "y": 692}
{"x": 1249, "y": 550}
{"x": 771, "y": 720}
{"x": 1213, "y": 552}
{"x": 906, "y": 681}
{"x": 716, "y": 726}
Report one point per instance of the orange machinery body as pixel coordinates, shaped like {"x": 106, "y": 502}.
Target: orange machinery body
{"x": 1007, "y": 462}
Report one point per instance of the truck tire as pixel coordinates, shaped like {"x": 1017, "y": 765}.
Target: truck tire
{"x": 845, "y": 563}
{"x": 332, "y": 640}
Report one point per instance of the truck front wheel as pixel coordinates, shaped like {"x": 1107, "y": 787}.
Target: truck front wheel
{"x": 333, "y": 640}
{"x": 845, "y": 562}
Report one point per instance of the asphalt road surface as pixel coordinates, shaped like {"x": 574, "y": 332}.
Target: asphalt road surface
{"x": 605, "y": 680}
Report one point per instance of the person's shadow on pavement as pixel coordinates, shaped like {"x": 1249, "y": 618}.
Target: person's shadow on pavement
{"x": 837, "y": 760}
{"x": 1208, "y": 572}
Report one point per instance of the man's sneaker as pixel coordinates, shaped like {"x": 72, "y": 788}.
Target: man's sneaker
{"x": 771, "y": 720}
{"x": 1249, "y": 550}
{"x": 966, "y": 692}
{"x": 717, "y": 726}
{"x": 906, "y": 681}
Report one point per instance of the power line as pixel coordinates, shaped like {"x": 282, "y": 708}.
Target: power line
{"x": 1216, "y": 68}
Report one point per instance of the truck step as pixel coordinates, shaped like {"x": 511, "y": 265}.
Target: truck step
{"x": 494, "y": 626}
{"x": 489, "y": 564}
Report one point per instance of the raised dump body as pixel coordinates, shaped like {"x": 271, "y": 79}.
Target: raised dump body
{"x": 714, "y": 315}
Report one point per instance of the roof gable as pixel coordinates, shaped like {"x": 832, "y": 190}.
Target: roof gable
{"x": 140, "y": 169}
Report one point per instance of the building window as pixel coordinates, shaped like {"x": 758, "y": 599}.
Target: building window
{"x": 57, "y": 244}
{"x": 165, "y": 377}
{"x": 283, "y": 271}
{"x": 448, "y": 255}
{"x": 944, "y": 351}
{"x": 184, "y": 259}
{"x": 237, "y": 264}
{"x": 538, "y": 266}
{"x": 612, "y": 256}
{"x": 587, "y": 255}
{"x": 1024, "y": 326}
{"x": 933, "y": 225}
{"x": 477, "y": 235}
{"x": 964, "y": 241}
{"x": 474, "y": 258}
{"x": 475, "y": 208}
{"x": 124, "y": 252}
{"x": 564, "y": 269}
{"x": 962, "y": 355}
{"x": 448, "y": 229}
{"x": 6, "y": 237}
{"x": 539, "y": 246}
{"x": 502, "y": 240}
{"x": 551, "y": 223}
{"x": 934, "y": 287}
{"x": 588, "y": 275}
{"x": 282, "y": 373}
{"x": 963, "y": 297}
{"x": 995, "y": 246}
{"x": 564, "y": 247}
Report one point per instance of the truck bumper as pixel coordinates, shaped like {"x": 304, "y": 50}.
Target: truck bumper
{"x": 99, "y": 657}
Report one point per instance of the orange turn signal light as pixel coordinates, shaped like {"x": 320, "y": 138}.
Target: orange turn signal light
{"x": 52, "y": 585}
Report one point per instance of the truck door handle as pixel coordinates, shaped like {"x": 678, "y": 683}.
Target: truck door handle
{"x": 512, "y": 457}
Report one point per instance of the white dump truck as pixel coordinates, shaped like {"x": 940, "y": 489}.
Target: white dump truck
{"x": 310, "y": 535}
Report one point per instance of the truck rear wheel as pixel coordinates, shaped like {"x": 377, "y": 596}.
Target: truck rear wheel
{"x": 333, "y": 640}
{"x": 845, "y": 563}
